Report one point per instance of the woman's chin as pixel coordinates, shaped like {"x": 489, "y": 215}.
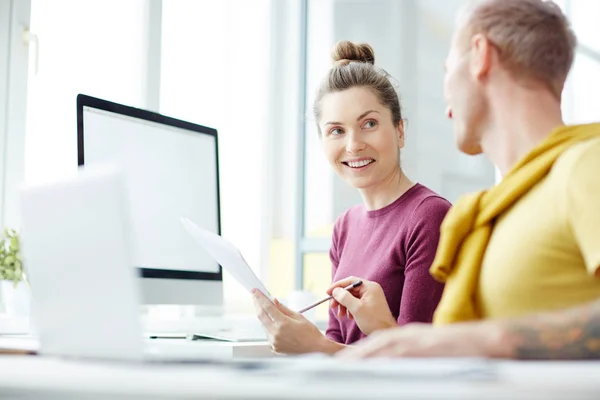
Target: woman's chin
{"x": 359, "y": 183}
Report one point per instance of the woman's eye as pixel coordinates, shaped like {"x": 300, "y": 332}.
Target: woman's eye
{"x": 370, "y": 124}
{"x": 335, "y": 131}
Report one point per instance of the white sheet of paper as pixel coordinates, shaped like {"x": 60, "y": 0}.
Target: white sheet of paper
{"x": 227, "y": 255}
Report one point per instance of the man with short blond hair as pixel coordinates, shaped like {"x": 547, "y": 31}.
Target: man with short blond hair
{"x": 521, "y": 261}
{"x": 533, "y": 38}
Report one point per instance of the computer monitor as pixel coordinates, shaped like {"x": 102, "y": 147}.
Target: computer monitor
{"x": 171, "y": 171}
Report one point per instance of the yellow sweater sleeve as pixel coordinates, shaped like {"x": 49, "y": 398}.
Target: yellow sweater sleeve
{"x": 583, "y": 205}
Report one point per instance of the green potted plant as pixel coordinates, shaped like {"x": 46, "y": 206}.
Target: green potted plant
{"x": 14, "y": 287}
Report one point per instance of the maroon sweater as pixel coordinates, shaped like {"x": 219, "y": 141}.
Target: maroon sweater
{"x": 395, "y": 247}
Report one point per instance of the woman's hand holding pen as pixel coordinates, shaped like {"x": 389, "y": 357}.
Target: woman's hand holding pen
{"x": 288, "y": 331}
{"x": 366, "y": 304}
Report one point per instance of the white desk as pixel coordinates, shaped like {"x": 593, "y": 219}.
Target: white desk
{"x": 181, "y": 347}
{"x": 34, "y": 377}
{"x": 12, "y": 332}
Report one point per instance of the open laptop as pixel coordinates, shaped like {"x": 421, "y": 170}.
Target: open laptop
{"x": 77, "y": 251}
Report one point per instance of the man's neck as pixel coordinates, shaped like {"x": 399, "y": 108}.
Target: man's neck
{"x": 520, "y": 120}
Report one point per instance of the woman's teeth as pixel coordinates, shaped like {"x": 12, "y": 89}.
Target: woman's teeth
{"x": 358, "y": 164}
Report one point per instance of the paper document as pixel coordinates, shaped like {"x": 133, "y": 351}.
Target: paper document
{"x": 227, "y": 255}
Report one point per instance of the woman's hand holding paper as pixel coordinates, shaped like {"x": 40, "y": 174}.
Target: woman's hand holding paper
{"x": 288, "y": 331}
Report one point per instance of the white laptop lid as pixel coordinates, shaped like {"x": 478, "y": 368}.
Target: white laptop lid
{"x": 76, "y": 252}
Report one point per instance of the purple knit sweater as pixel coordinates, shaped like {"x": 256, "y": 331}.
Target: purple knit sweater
{"x": 394, "y": 246}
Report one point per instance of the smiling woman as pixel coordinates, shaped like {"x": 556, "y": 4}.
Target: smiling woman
{"x": 389, "y": 240}
{"x": 363, "y": 144}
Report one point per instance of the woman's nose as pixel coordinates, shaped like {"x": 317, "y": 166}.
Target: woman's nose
{"x": 354, "y": 144}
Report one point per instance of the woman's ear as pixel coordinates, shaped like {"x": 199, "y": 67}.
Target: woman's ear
{"x": 400, "y": 130}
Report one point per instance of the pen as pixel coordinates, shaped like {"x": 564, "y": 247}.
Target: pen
{"x": 355, "y": 284}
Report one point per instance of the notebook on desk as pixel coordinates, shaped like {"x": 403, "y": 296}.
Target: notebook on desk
{"x": 76, "y": 244}
{"x": 234, "y": 335}
{"x": 231, "y": 335}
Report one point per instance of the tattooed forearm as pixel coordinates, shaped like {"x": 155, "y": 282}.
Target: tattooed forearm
{"x": 562, "y": 335}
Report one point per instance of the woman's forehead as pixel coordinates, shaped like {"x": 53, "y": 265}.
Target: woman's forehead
{"x": 350, "y": 103}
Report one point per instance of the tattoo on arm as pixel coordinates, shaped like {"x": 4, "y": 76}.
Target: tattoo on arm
{"x": 561, "y": 335}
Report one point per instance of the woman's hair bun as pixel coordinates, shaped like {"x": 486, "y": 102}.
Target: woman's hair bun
{"x": 346, "y": 52}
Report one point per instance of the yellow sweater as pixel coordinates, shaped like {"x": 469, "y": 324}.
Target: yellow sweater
{"x": 466, "y": 230}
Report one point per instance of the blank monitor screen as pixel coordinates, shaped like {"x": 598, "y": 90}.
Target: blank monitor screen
{"x": 171, "y": 172}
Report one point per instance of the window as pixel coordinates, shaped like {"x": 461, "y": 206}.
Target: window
{"x": 586, "y": 89}
{"x": 582, "y": 90}
{"x": 85, "y": 47}
{"x": 215, "y": 68}
{"x": 317, "y": 278}
{"x": 320, "y": 181}
{"x": 562, "y": 4}
{"x": 584, "y": 16}
{"x": 14, "y": 24}
{"x": 215, "y": 72}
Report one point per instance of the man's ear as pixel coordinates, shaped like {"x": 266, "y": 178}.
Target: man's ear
{"x": 481, "y": 56}
{"x": 400, "y": 131}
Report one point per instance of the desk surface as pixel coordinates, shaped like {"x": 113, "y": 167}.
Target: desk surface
{"x": 48, "y": 378}
{"x": 19, "y": 344}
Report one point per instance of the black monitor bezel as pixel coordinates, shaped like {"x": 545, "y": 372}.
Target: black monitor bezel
{"x": 128, "y": 111}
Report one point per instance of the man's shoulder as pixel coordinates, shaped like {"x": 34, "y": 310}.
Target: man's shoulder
{"x": 574, "y": 173}
{"x": 580, "y": 158}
